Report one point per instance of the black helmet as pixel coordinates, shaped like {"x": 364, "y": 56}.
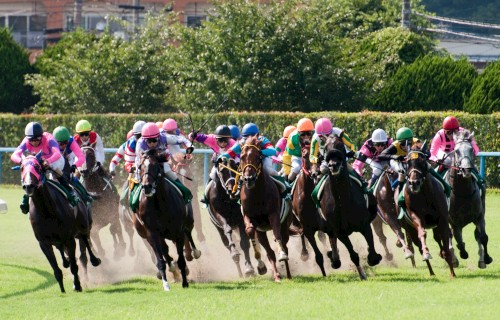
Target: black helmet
{"x": 223, "y": 131}
{"x": 33, "y": 130}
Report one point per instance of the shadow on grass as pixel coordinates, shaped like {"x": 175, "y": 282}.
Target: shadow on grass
{"x": 49, "y": 280}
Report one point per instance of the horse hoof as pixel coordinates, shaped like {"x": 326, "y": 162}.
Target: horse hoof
{"x": 261, "y": 268}
{"x": 454, "y": 262}
{"x": 409, "y": 254}
{"x": 158, "y": 275}
{"x": 304, "y": 256}
{"x": 464, "y": 254}
{"x": 189, "y": 257}
{"x": 481, "y": 265}
{"x": 399, "y": 244}
{"x": 66, "y": 264}
{"x": 426, "y": 257}
{"x": 389, "y": 257}
{"x": 196, "y": 253}
{"x": 77, "y": 288}
{"x": 283, "y": 257}
{"x": 336, "y": 264}
{"x": 95, "y": 262}
{"x": 277, "y": 278}
{"x": 172, "y": 267}
{"x": 249, "y": 272}
{"x": 329, "y": 254}
{"x": 187, "y": 271}
{"x": 375, "y": 259}
{"x": 185, "y": 284}
{"x": 488, "y": 259}
{"x": 166, "y": 286}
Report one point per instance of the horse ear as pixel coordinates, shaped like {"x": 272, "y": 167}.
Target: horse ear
{"x": 471, "y": 135}
{"x": 424, "y": 146}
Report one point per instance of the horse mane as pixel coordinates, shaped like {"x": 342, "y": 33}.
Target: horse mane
{"x": 463, "y": 135}
{"x": 252, "y": 140}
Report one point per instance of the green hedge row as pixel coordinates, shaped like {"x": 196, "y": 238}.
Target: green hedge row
{"x": 113, "y": 127}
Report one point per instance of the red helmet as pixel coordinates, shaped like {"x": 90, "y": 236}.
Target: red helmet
{"x": 450, "y": 123}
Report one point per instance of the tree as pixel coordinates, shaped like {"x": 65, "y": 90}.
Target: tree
{"x": 432, "y": 82}
{"x": 485, "y": 93}
{"x": 15, "y": 96}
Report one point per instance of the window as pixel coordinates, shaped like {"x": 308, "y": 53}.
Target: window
{"x": 195, "y": 22}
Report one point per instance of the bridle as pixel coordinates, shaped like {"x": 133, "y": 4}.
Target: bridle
{"x": 416, "y": 155}
{"x": 146, "y": 166}
{"x": 257, "y": 168}
{"x": 225, "y": 184}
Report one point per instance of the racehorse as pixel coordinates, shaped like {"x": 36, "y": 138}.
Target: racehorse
{"x": 427, "y": 207}
{"x": 182, "y": 165}
{"x": 467, "y": 203}
{"x": 162, "y": 214}
{"x": 105, "y": 207}
{"x": 225, "y": 213}
{"x": 56, "y": 223}
{"x": 387, "y": 212}
{"x": 261, "y": 206}
{"x": 345, "y": 208}
{"x": 304, "y": 208}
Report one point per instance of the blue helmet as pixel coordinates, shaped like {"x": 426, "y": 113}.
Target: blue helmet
{"x": 250, "y": 129}
{"x": 235, "y": 131}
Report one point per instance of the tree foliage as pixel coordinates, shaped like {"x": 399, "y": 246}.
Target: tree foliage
{"x": 432, "y": 82}
{"x": 15, "y": 96}
{"x": 485, "y": 93}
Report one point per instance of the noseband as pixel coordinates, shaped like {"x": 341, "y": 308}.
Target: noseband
{"x": 415, "y": 155}
{"x": 225, "y": 184}
{"x": 257, "y": 168}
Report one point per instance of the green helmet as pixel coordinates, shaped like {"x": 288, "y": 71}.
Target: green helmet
{"x": 82, "y": 126}
{"x": 61, "y": 134}
{"x": 404, "y": 133}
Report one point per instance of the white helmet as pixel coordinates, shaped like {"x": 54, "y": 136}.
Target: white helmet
{"x": 379, "y": 135}
{"x": 138, "y": 127}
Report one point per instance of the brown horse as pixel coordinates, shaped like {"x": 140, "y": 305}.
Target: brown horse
{"x": 387, "y": 212}
{"x": 56, "y": 223}
{"x": 427, "y": 207}
{"x": 182, "y": 165}
{"x": 105, "y": 207}
{"x": 261, "y": 205}
{"x": 162, "y": 214}
{"x": 225, "y": 213}
{"x": 304, "y": 208}
{"x": 345, "y": 208}
{"x": 467, "y": 203}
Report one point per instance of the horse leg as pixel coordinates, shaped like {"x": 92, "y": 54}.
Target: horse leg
{"x": 95, "y": 261}
{"x": 334, "y": 253}
{"x": 457, "y": 233}
{"x": 378, "y": 227}
{"x": 250, "y": 231}
{"x": 226, "y": 236}
{"x": 156, "y": 243}
{"x": 195, "y": 251}
{"x": 285, "y": 238}
{"x": 482, "y": 241}
{"x": 129, "y": 228}
{"x": 115, "y": 229}
{"x": 71, "y": 245}
{"x": 353, "y": 255}
{"x": 271, "y": 256}
{"x": 445, "y": 233}
{"x": 83, "y": 258}
{"x": 197, "y": 217}
{"x": 94, "y": 235}
{"x": 65, "y": 260}
{"x": 274, "y": 221}
{"x": 373, "y": 257}
{"x": 454, "y": 258}
{"x": 49, "y": 254}
{"x": 304, "y": 254}
{"x": 422, "y": 236}
{"x": 322, "y": 238}
{"x": 181, "y": 262}
{"x": 409, "y": 243}
{"x": 245, "y": 246}
{"x": 317, "y": 253}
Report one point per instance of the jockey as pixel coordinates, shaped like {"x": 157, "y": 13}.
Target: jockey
{"x": 282, "y": 157}
{"x": 444, "y": 143}
{"x": 220, "y": 142}
{"x": 323, "y": 130}
{"x": 235, "y": 132}
{"x": 71, "y": 151}
{"x": 38, "y": 141}
{"x": 369, "y": 153}
{"x": 85, "y": 137}
{"x": 119, "y": 154}
{"x": 170, "y": 128}
{"x": 397, "y": 152}
{"x": 251, "y": 129}
{"x": 131, "y": 145}
{"x": 152, "y": 139}
{"x": 296, "y": 140}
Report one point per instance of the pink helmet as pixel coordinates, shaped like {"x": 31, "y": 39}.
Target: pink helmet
{"x": 323, "y": 126}
{"x": 169, "y": 125}
{"x": 150, "y": 130}
{"x": 130, "y": 133}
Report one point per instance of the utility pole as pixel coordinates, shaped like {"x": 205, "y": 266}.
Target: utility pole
{"x": 406, "y": 12}
{"x": 77, "y": 15}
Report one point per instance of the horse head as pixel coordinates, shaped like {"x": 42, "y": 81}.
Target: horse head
{"x": 464, "y": 156}
{"x": 226, "y": 173}
{"x": 417, "y": 168}
{"x": 31, "y": 173}
{"x": 335, "y": 154}
{"x": 90, "y": 164}
{"x": 251, "y": 161}
{"x": 150, "y": 171}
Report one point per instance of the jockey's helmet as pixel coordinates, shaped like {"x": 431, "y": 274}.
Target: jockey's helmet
{"x": 169, "y": 125}
{"x": 33, "y": 130}
{"x": 305, "y": 125}
{"x": 288, "y": 130}
{"x": 235, "y": 131}
{"x": 450, "y": 123}
{"x": 404, "y": 133}
{"x": 150, "y": 130}
{"x": 137, "y": 128}
{"x": 323, "y": 126}
{"x": 61, "y": 134}
{"x": 222, "y": 131}
{"x": 83, "y": 126}
{"x": 379, "y": 136}
{"x": 130, "y": 134}
{"x": 250, "y": 129}
{"x": 159, "y": 124}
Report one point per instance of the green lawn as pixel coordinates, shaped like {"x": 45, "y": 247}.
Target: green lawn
{"x": 128, "y": 289}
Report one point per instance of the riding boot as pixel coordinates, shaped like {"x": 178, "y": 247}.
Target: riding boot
{"x": 401, "y": 200}
{"x": 446, "y": 186}
{"x": 186, "y": 193}
{"x": 72, "y": 197}
{"x": 25, "y": 204}
{"x": 78, "y": 185}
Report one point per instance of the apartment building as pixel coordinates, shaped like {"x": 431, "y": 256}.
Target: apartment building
{"x": 37, "y": 23}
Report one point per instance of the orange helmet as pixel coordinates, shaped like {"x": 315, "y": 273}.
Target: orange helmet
{"x": 287, "y": 131}
{"x": 304, "y": 125}
{"x": 159, "y": 124}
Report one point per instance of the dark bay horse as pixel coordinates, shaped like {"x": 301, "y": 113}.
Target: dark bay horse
{"x": 56, "y": 223}
{"x": 162, "y": 214}
{"x": 304, "y": 208}
{"x": 261, "y": 206}
{"x": 225, "y": 213}
{"x": 427, "y": 208}
{"x": 105, "y": 208}
{"x": 467, "y": 203}
{"x": 345, "y": 208}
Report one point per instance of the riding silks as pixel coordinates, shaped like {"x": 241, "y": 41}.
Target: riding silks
{"x": 316, "y": 194}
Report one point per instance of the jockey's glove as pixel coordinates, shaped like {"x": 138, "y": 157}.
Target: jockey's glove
{"x": 112, "y": 173}
{"x": 73, "y": 168}
{"x": 189, "y": 150}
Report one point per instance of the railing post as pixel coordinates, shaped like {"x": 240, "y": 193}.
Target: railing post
{"x": 1, "y": 168}
{"x": 482, "y": 165}
{"x": 205, "y": 168}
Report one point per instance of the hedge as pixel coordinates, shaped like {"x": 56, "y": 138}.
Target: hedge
{"x": 113, "y": 127}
